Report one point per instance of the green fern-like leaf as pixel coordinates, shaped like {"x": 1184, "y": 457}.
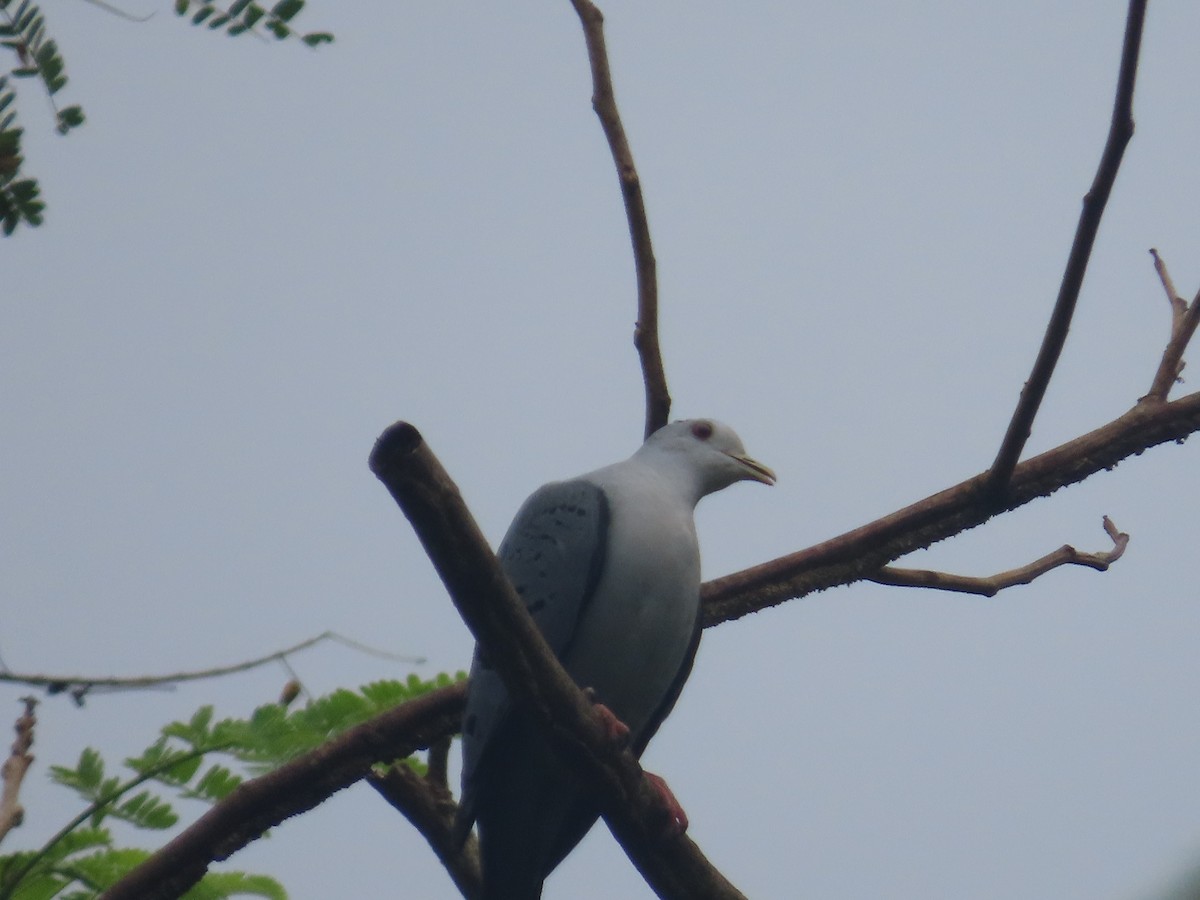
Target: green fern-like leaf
{"x": 195, "y": 731}
{"x": 286, "y": 10}
{"x": 170, "y": 765}
{"x": 24, "y": 16}
{"x": 101, "y": 870}
{"x": 216, "y": 784}
{"x": 253, "y": 13}
{"x": 19, "y": 203}
{"x": 41, "y": 874}
{"x": 79, "y": 841}
{"x": 245, "y": 15}
{"x": 40, "y": 886}
{"x": 51, "y": 66}
{"x": 219, "y": 885}
{"x": 87, "y": 774}
{"x": 68, "y": 118}
{"x": 146, "y": 811}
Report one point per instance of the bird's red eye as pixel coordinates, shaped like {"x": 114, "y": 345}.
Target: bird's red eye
{"x": 702, "y": 430}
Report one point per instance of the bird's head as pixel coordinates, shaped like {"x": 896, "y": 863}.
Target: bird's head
{"x": 709, "y": 451}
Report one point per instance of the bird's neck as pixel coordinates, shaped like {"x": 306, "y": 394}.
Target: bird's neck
{"x": 663, "y": 470}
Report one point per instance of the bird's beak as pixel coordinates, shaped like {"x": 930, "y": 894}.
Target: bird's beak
{"x": 755, "y": 471}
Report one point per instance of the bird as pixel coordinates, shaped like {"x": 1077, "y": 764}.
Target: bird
{"x": 608, "y": 566}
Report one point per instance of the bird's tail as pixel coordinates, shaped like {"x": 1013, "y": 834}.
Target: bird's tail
{"x": 507, "y": 882}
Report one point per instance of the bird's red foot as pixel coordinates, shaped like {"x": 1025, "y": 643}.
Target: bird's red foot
{"x": 615, "y": 731}
{"x": 676, "y": 819}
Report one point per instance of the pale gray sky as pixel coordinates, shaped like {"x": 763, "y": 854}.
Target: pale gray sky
{"x": 257, "y": 257}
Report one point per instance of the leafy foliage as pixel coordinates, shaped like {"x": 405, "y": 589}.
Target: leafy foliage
{"x": 82, "y": 860}
{"x": 18, "y": 196}
{"x": 23, "y": 32}
{"x": 242, "y": 16}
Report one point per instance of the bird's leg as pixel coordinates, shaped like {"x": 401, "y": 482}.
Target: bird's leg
{"x": 676, "y": 818}
{"x": 615, "y": 731}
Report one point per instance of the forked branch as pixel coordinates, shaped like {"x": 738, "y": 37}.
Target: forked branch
{"x": 859, "y": 553}
{"x": 1119, "y": 132}
{"x": 645, "y": 335}
{"x": 1184, "y": 319}
{"x": 1066, "y": 555}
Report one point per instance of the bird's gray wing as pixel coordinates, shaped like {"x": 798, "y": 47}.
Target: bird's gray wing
{"x": 553, "y": 554}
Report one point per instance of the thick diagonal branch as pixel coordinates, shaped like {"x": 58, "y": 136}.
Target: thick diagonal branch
{"x": 1119, "y": 132}
{"x": 645, "y": 335}
{"x": 487, "y": 602}
{"x": 1066, "y": 555}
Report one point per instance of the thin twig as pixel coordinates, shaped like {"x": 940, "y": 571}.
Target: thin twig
{"x": 1066, "y": 555}
{"x": 12, "y": 773}
{"x": 1184, "y": 319}
{"x": 645, "y": 334}
{"x": 1119, "y": 132}
{"x": 1178, "y": 304}
{"x": 120, "y": 13}
{"x": 674, "y": 867}
{"x": 79, "y": 685}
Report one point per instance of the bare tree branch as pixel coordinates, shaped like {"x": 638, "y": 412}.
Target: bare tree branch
{"x": 994, "y": 584}
{"x": 1184, "y": 319}
{"x": 79, "y": 685}
{"x": 294, "y": 788}
{"x": 673, "y": 866}
{"x": 645, "y": 335}
{"x": 431, "y": 808}
{"x": 12, "y": 773}
{"x": 1119, "y": 133}
{"x": 859, "y": 553}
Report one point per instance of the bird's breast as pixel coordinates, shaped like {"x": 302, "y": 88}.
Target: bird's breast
{"x": 637, "y": 629}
